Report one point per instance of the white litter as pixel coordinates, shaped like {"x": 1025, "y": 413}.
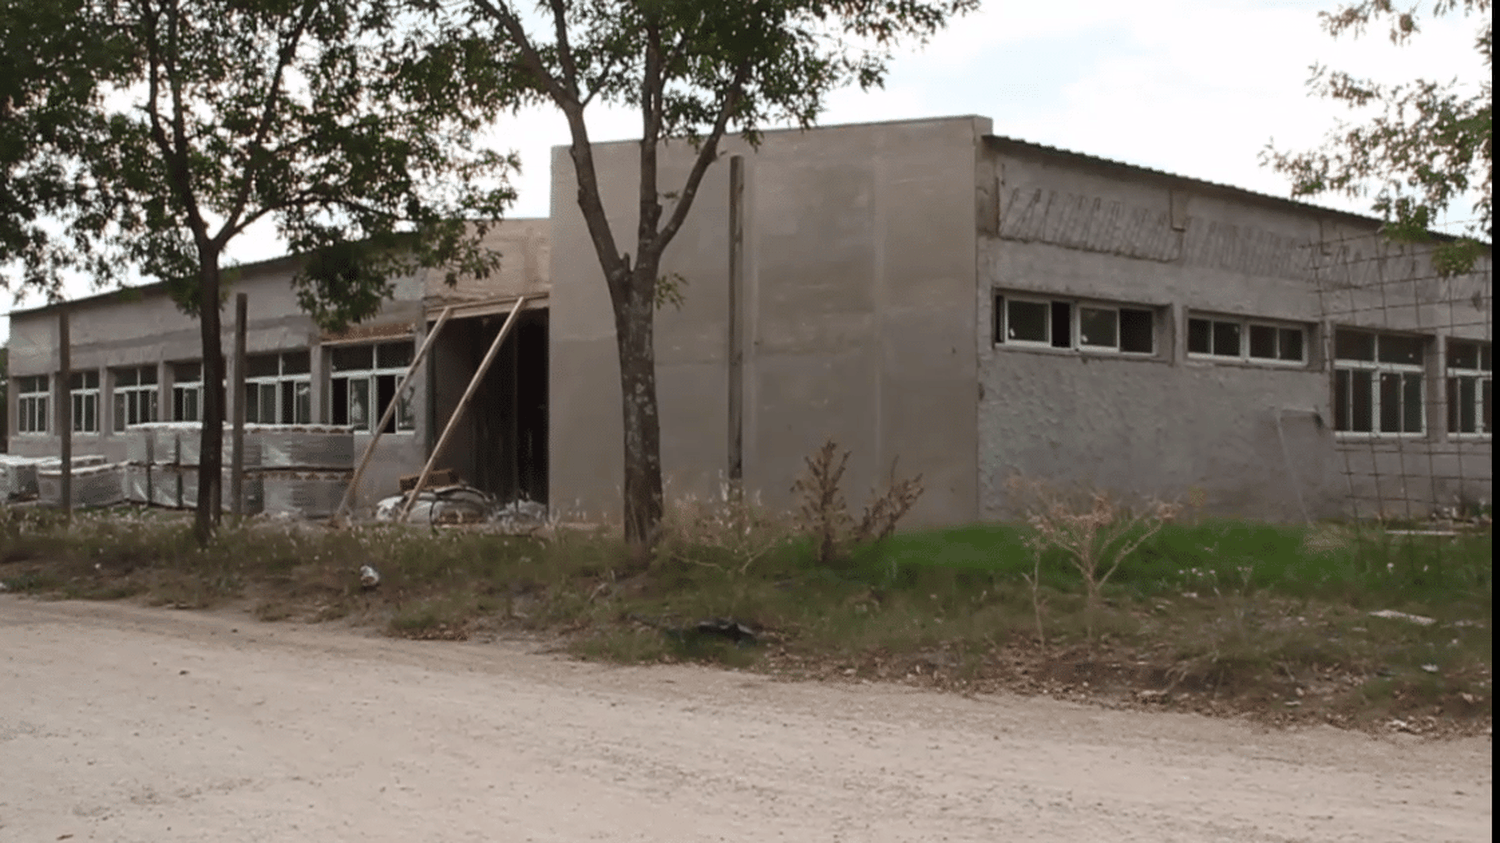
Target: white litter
{"x": 368, "y": 576}
{"x": 1402, "y": 616}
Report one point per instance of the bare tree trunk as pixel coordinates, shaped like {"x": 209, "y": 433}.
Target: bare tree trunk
{"x": 634, "y": 337}
{"x": 210, "y": 449}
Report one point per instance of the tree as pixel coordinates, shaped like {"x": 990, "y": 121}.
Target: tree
{"x": 1430, "y": 147}
{"x": 344, "y": 124}
{"x": 693, "y": 69}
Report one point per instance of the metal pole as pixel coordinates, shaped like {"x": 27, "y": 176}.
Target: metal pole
{"x": 237, "y": 437}
{"x": 65, "y": 409}
{"x": 390, "y": 410}
{"x": 484, "y": 366}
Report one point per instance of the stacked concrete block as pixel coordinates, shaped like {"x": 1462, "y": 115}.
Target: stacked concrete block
{"x": 307, "y": 494}
{"x": 138, "y": 482}
{"x": 18, "y": 476}
{"x": 301, "y": 447}
{"x": 100, "y": 484}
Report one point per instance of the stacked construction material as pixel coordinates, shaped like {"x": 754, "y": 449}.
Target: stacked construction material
{"x": 299, "y": 470}
{"x": 18, "y": 476}
{"x": 95, "y": 482}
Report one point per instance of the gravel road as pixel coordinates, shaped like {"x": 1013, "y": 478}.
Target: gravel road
{"x": 120, "y": 723}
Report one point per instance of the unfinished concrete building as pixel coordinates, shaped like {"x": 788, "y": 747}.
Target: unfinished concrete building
{"x": 936, "y": 298}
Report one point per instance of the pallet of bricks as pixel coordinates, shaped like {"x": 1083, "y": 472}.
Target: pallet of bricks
{"x": 298, "y": 470}
{"x": 96, "y": 482}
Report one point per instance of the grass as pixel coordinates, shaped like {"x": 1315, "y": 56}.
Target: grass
{"x": 1253, "y": 617}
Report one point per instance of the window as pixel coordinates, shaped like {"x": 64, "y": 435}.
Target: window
{"x": 31, "y": 391}
{"x": 135, "y": 397}
{"x": 1240, "y": 339}
{"x": 1471, "y": 390}
{"x": 1377, "y": 382}
{"x": 1064, "y": 324}
{"x": 278, "y": 388}
{"x": 83, "y": 390}
{"x": 187, "y": 392}
{"x": 363, "y": 382}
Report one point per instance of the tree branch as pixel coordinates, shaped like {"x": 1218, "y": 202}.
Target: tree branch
{"x": 706, "y": 155}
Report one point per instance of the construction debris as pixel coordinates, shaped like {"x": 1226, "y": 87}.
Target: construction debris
{"x": 368, "y": 577}
{"x": 440, "y": 478}
{"x": 459, "y": 504}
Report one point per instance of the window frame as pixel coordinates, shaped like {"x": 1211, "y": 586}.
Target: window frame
{"x": 1482, "y": 374}
{"x": 1375, "y": 369}
{"x": 33, "y": 405}
{"x": 278, "y": 382}
{"x": 405, "y": 419}
{"x": 1246, "y": 325}
{"x": 84, "y": 400}
{"x": 1001, "y": 300}
{"x": 132, "y": 397}
{"x": 182, "y": 388}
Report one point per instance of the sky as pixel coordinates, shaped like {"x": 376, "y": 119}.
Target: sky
{"x": 1191, "y": 87}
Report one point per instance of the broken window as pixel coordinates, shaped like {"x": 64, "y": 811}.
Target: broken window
{"x": 83, "y": 390}
{"x": 363, "y": 383}
{"x": 1029, "y": 322}
{"x": 1378, "y": 383}
{"x": 135, "y": 396}
{"x": 1247, "y": 340}
{"x": 1471, "y": 391}
{"x": 31, "y": 392}
{"x": 278, "y": 388}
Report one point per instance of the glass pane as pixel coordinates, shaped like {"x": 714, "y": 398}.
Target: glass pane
{"x": 151, "y": 402}
{"x": 296, "y": 363}
{"x": 1390, "y": 402}
{"x": 303, "y": 404}
{"x": 393, "y": 355}
{"x": 1062, "y": 324}
{"x": 75, "y": 380}
{"x": 998, "y": 318}
{"x": 1227, "y": 339}
{"x": 1463, "y": 355}
{"x": 261, "y": 366}
{"x": 1395, "y": 348}
{"x": 1362, "y": 401}
{"x": 267, "y": 401}
{"x": 1026, "y": 321}
{"x": 385, "y": 391}
{"x": 1467, "y": 405}
{"x": 1137, "y": 331}
{"x": 147, "y": 375}
{"x": 1484, "y": 356}
{"x": 126, "y": 377}
{"x": 1451, "y": 393}
{"x": 1353, "y": 345}
{"x": 353, "y": 358}
{"x": 190, "y": 404}
{"x": 405, "y": 420}
{"x": 1486, "y": 403}
{"x": 359, "y": 403}
{"x": 339, "y": 400}
{"x": 1263, "y": 342}
{"x": 1199, "y": 331}
{"x": 120, "y": 415}
{"x": 252, "y": 407}
{"x": 1290, "y": 347}
{"x": 1098, "y": 327}
{"x": 286, "y": 402}
{"x": 1414, "y": 410}
{"x": 1341, "y": 400}
{"x": 187, "y": 372}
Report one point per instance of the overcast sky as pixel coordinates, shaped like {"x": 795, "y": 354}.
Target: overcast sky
{"x": 1193, "y": 87}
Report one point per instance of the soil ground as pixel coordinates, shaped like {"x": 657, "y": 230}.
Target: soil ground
{"x": 121, "y": 723}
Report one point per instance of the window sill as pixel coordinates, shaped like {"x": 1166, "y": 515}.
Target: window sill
{"x": 1205, "y": 361}
{"x": 1078, "y": 353}
{"x": 1360, "y": 436}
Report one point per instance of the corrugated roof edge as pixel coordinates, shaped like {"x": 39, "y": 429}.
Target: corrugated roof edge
{"x": 1219, "y": 186}
{"x": 159, "y": 286}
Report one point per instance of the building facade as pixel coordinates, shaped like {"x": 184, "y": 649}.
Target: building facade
{"x": 937, "y": 299}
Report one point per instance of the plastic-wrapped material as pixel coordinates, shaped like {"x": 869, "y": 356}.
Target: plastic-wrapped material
{"x": 139, "y": 443}
{"x": 252, "y": 449}
{"x": 254, "y": 490}
{"x": 165, "y": 439}
{"x": 138, "y": 483}
{"x": 305, "y": 494}
{"x": 93, "y": 485}
{"x": 79, "y": 461}
{"x": 166, "y": 486}
{"x": 18, "y": 476}
{"x": 323, "y": 447}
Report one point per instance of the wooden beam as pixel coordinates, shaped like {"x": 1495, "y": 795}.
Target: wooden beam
{"x": 463, "y": 404}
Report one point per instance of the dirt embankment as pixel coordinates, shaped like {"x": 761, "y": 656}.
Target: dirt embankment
{"x": 119, "y": 723}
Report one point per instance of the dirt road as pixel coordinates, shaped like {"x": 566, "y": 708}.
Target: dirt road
{"x": 120, "y": 723}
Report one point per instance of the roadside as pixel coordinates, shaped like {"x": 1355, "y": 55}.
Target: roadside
{"x": 126, "y": 724}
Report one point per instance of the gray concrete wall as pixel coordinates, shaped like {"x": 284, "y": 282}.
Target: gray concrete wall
{"x": 858, "y": 308}
{"x": 1257, "y": 439}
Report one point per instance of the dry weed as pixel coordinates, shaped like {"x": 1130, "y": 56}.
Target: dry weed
{"x": 823, "y": 513}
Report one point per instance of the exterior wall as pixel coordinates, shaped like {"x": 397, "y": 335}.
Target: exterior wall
{"x": 1257, "y": 439}
{"x": 857, "y": 305}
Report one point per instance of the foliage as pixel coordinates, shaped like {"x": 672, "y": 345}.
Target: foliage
{"x": 1431, "y": 146}
{"x": 823, "y": 513}
{"x": 342, "y": 124}
{"x": 694, "y": 70}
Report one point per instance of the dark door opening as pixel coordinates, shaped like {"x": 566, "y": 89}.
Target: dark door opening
{"x": 500, "y": 445}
